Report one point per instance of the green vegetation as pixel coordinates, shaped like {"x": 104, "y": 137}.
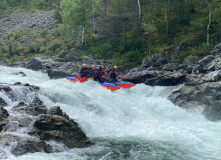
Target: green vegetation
{"x": 134, "y": 29}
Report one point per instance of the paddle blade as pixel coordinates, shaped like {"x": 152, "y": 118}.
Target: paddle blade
{"x": 82, "y": 79}
{"x": 121, "y": 78}
{"x": 75, "y": 80}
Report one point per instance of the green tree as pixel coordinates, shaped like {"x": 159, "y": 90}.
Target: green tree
{"x": 78, "y": 15}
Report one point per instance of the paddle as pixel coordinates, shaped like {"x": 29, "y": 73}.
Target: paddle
{"x": 75, "y": 79}
{"x": 82, "y": 79}
{"x": 121, "y": 78}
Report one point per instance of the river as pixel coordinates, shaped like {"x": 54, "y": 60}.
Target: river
{"x": 139, "y": 123}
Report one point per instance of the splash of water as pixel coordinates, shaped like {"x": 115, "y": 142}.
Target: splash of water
{"x": 135, "y": 123}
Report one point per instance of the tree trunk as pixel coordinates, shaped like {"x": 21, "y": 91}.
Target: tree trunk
{"x": 168, "y": 19}
{"x": 208, "y": 26}
{"x": 150, "y": 25}
{"x": 82, "y": 38}
{"x": 139, "y": 17}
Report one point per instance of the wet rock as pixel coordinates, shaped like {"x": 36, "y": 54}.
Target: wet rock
{"x": 31, "y": 146}
{"x": 207, "y": 95}
{"x": 56, "y": 110}
{"x": 3, "y": 113}
{"x": 24, "y": 122}
{"x": 31, "y": 109}
{"x": 21, "y": 74}
{"x": 3, "y": 154}
{"x": 2, "y": 102}
{"x": 60, "y": 129}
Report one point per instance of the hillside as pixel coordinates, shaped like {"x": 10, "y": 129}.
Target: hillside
{"x": 125, "y": 31}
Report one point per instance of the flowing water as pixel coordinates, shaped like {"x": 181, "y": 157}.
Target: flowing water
{"x": 139, "y": 123}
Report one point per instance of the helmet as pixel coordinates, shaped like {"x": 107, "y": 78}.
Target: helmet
{"x": 102, "y": 67}
{"x": 115, "y": 67}
{"x": 83, "y": 65}
{"x": 93, "y": 66}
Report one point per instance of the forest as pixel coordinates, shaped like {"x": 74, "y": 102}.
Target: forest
{"x": 133, "y": 29}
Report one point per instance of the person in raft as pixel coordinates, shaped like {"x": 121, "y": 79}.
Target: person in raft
{"x": 98, "y": 74}
{"x": 113, "y": 74}
{"x": 92, "y": 70}
{"x": 83, "y": 71}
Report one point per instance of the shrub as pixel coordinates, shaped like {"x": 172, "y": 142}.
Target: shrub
{"x": 54, "y": 45}
{"x": 44, "y": 33}
{"x": 33, "y": 48}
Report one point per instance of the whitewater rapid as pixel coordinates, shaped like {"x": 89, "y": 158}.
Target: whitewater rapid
{"x": 136, "y": 123}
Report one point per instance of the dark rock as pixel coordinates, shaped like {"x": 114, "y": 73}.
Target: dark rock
{"x": 32, "y": 109}
{"x": 20, "y": 73}
{"x": 156, "y": 78}
{"x": 58, "y": 128}
{"x": 3, "y": 113}
{"x": 35, "y": 64}
{"x": 5, "y": 88}
{"x": 31, "y": 146}
{"x": 56, "y": 110}
{"x": 2, "y": 102}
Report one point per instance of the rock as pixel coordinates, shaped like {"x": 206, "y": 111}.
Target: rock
{"x": 215, "y": 64}
{"x": 171, "y": 67}
{"x": 158, "y": 78}
{"x": 35, "y": 64}
{"x": 203, "y": 62}
{"x": 56, "y": 110}
{"x": 190, "y": 60}
{"x": 20, "y": 73}
{"x": 31, "y": 109}
{"x": 216, "y": 50}
{"x": 31, "y": 146}
{"x": 2, "y": 102}
{"x": 24, "y": 121}
{"x": 3, "y": 113}
{"x": 58, "y": 128}
{"x": 207, "y": 95}
{"x": 26, "y": 19}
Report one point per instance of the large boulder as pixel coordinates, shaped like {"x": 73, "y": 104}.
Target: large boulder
{"x": 60, "y": 129}
{"x": 207, "y": 95}
{"x": 159, "y": 78}
{"x": 35, "y": 64}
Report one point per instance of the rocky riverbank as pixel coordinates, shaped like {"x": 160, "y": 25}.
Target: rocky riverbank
{"x": 35, "y": 128}
{"x": 201, "y": 77}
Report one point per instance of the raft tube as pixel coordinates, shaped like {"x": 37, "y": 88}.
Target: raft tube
{"x": 109, "y": 86}
{"x": 125, "y": 84}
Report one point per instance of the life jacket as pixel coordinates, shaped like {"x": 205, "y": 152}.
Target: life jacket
{"x": 113, "y": 74}
{"x": 83, "y": 72}
{"x": 92, "y": 72}
{"x": 96, "y": 74}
